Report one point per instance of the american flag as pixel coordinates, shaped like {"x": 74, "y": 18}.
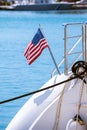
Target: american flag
{"x": 35, "y": 47}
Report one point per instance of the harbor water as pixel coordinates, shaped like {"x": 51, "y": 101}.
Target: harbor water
{"x": 16, "y": 31}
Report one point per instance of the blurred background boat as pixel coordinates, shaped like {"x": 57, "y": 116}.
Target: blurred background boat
{"x": 43, "y": 5}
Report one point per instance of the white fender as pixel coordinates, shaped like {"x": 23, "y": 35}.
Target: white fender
{"x": 75, "y": 125}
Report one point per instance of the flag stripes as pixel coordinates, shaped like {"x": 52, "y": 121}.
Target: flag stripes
{"x": 32, "y": 51}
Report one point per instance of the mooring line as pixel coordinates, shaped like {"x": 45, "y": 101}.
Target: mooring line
{"x": 37, "y": 91}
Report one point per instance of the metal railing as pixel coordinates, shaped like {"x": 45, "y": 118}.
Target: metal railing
{"x": 75, "y": 45}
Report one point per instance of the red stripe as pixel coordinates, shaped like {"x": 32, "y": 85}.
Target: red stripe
{"x": 27, "y": 49}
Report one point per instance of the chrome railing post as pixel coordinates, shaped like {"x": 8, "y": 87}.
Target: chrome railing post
{"x": 83, "y": 42}
{"x": 86, "y": 42}
{"x": 65, "y": 50}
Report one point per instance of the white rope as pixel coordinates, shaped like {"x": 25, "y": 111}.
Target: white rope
{"x": 79, "y": 105}
{"x": 58, "y": 110}
{"x": 56, "y": 124}
{"x": 80, "y": 98}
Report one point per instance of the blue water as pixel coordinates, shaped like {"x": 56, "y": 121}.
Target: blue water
{"x": 16, "y": 76}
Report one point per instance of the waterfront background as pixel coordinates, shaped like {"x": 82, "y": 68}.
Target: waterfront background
{"x": 16, "y": 31}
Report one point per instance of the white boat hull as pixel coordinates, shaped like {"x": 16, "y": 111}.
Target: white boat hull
{"x": 53, "y": 108}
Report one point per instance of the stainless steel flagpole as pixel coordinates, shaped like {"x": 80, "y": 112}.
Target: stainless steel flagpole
{"x": 53, "y": 59}
{"x": 51, "y": 55}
